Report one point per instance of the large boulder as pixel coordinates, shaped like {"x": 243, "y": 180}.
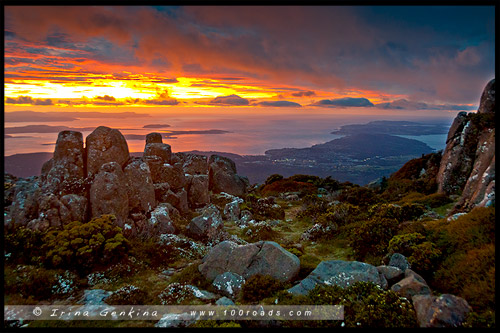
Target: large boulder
{"x": 161, "y": 150}
{"x": 443, "y": 311}
{"x": 398, "y": 260}
{"x": 392, "y": 274}
{"x": 64, "y": 172}
{"x": 108, "y": 193}
{"x": 25, "y": 201}
{"x": 195, "y": 164}
{"x": 105, "y": 145}
{"x": 223, "y": 178}
{"x": 162, "y": 172}
{"x": 140, "y": 188}
{"x": 154, "y": 138}
{"x": 264, "y": 257}
{"x": 198, "y": 194}
{"x": 207, "y": 225}
{"x": 340, "y": 273}
{"x": 413, "y": 284}
{"x": 160, "y": 222}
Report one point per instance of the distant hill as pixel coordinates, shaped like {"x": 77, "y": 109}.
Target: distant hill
{"x": 393, "y": 128}
{"x": 357, "y": 146}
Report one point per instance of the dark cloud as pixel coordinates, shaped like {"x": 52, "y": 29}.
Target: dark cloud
{"x": 280, "y": 104}
{"x": 403, "y": 104}
{"x": 156, "y": 126}
{"x": 233, "y": 100}
{"x": 28, "y": 100}
{"x": 159, "y": 101}
{"x": 106, "y": 98}
{"x": 304, "y": 94}
{"x": 344, "y": 102}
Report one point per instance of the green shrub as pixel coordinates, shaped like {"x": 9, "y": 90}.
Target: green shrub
{"x": 31, "y": 282}
{"x": 259, "y": 231}
{"x": 484, "y": 319}
{"x": 23, "y": 246}
{"x": 372, "y": 236}
{"x": 402, "y": 213}
{"x": 365, "y": 305}
{"x": 258, "y": 287}
{"x": 83, "y": 246}
{"x": 288, "y": 185}
{"x": 358, "y": 195}
{"x": 470, "y": 275}
{"x": 273, "y": 178}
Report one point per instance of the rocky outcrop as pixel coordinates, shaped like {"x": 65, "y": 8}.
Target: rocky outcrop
{"x": 207, "y": 225}
{"x": 105, "y": 145}
{"x": 340, "y": 273}
{"x": 468, "y": 162}
{"x": 108, "y": 193}
{"x": 79, "y": 183}
{"x": 443, "y": 311}
{"x": 64, "y": 172}
{"x": 264, "y": 257}
{"x": 223, "y": 178}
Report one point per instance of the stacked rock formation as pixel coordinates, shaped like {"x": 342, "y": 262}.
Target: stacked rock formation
{"x": 80, "y": 183}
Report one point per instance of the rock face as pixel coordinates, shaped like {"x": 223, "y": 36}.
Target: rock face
{"x": 65, "y": 171}
{"x": 340, "y": 273}
{"x": 443, "y": 311}
{"x": 140, "y": 188}
{"x": 108, "y": 193}
{"x": 105, "y": 145}
{"x": 228, "y": 284}
{"x": 264, "y": 257}
{"x": 398, "y": 260}
{"x": 223, "y": 178}
{"x": 198, "y": 193}
{"x": 207, "y": 224}
{"x": 468, "y": 162}
{"x": 413, "y": 284}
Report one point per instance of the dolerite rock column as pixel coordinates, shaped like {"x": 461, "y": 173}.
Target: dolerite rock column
{"x": 108, "y": 193}
{"x": 105, "y": 145}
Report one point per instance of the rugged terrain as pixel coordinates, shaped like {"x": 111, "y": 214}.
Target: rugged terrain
{"x": 100, "y": 226}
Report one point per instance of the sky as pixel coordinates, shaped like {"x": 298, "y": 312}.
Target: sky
{"x": 75, "y": 63}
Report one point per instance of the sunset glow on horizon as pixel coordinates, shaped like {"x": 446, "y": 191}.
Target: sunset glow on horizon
{"x": 238, "y": 69}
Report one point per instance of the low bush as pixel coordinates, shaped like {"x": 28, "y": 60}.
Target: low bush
{"x": 83, "y": 246}
{"x": 23, "y": 246}
{"x": 258, "y": 287}
{"x": 372, "y": 236}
